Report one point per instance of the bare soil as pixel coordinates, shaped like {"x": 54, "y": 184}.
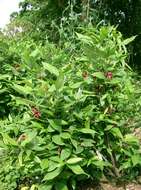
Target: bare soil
{"x": 108, "y": 186}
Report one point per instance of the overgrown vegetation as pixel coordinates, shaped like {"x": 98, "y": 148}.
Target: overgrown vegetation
{"x": 69, "y": 104}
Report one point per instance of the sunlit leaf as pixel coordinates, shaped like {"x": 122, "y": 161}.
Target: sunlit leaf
{"x": 52, "y": 69}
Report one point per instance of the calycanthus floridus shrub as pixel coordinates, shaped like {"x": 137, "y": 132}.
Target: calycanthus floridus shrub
{"x": 71, "y": 114}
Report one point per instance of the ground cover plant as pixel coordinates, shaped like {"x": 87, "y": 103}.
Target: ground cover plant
{"x": 70, "y": 112}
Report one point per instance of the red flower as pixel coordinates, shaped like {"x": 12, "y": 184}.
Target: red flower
{"x": 109, "y": 75}
{"x": 36, "y": 113}
{"x": 22, "y": 137}
{"x": 85, "y": 74}
{"x": 17, "y": 66}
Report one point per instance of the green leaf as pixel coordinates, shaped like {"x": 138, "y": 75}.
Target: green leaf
{"x": 125, "y": 165}
{"x": 87, "y": 131}
{"x": 8, "y": 140}
{"x": 4, "y": 77}
{"x": 52, "y": 69}
{"x": 25, "y": 188}
{"x": 35, "y": 53}
{"x": 129, "y": 40}
{"x": 74, "y": 160}
{"x": 87, "y": 143}
{"x": 136, "y": 159}
{"x": 76, "y": 85}
{"x": 61, "y": 186}
{"x": 33, "y": 187}
{"x": 65, "y": 153}
{"x": 22, "y": 101}
{"x": 99, "y": 75}
{"x": 53, "y": 174}
{"x": 55, "y": 124}
{"x": 108, "y": 127}
{"x": 52, "y": 165}
{"x": 22, "y": 89}
{"x": 52, "y": 88}
{"x": 99, "y": 163}
{"x": 57, "y": 140}
{"x": 55, "y": 159}
{"x": 76, "y": 169}
{"x": 74, "y": 143}
{"x": 116, "y": 132}
{"x": 65, "y": 135}
{"x": 20, "y": 158}
{"x": 47, "y": 186}
{"x": 85, "y": 39}
{"x": 59, "y": 82}
{"x": 131, "y": 139}
{"x": 44, "y": 164}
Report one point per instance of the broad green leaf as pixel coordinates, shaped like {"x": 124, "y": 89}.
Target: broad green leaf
{"x": 51, "y": 175}
{"x": 74, "y": 160}
{"x": 110, "y": 121}
{"x": 65, "y": 135}
{"x": 136, "y": 159}
{"x": 129, "y": 40}
{"x": 125, "y": 165}
{"x": 35, "y": 53}
{"x": 37, "y": 159}
{"x": 99, "y": 75}
{"x": 87, "y": 131}
{"x": 61, "y": 186}
{"x": 52, "y": 88}
{"x": 4, "y": 76}
{"x": 52, "y": 69}
{"x": 59, "y": 82}
{"x": 33, "y": 187}
{"x": 87, "y": 143}
{"x": 55, "y": 158}
{"x": 131, "y": 139}
{"x": 85, "y": 39}
{"x": 76, "y": 169}
{"x": 99, "y": 163}
{"x": 44, "y": 164}
{"x": 36, "y": 125}
{"x": 76, "y": 85}
{"x": 57, "y": 140}
{"x": 79, "y": 150}
{"x": 22, "y": 89}
{"x": 108, "y": 127}
{"x": 65, "y": 153}
{"x": 74, "y": 143}
{"x": 3, "y": 90}
{"x": 20, "y": 158}
{"x": 55, "y": 124}
{"x": 22, "y": 101}
{"x": 47, "y": 186}
{"x": 8, "y": 140}
{"x": 25, "y": 188}
{"x": 52, "y": 165}
{"x": 116, "y": 132}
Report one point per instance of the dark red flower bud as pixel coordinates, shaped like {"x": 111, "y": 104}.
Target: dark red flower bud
{"x": 22, "y": 137}
{"x": 85, "y": 74}
{"x": 36, "y": 113}
{"x": 17, "y": 66}
{"x": 109, "y": 75}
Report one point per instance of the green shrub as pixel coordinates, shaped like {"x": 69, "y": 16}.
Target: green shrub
{"x": 72, "y": 112}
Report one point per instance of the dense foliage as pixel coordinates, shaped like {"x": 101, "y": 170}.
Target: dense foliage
{"x": 69, "y": 101}
{"x": 125, "y": 14}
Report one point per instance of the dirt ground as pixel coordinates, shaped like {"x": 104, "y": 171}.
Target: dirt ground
{"x": 107, "y": 186}
{"x": 126, "y": 187}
